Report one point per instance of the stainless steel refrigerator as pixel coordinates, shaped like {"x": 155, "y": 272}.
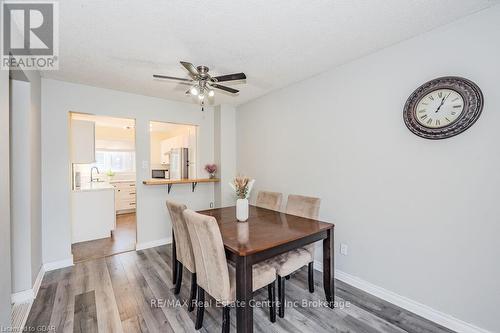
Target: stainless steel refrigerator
{"x": 179, "y": 163}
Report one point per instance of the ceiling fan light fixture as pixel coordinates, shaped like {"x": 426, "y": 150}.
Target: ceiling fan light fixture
{"x": 194, "y": 91}
{"x": 202, "y": 84}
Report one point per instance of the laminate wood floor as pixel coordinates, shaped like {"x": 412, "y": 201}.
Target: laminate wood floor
{"x": 115, "y": 294}
{"x": 124, "y": 239}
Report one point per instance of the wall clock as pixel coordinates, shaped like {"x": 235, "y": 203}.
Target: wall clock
{"x": 443, "y": 107}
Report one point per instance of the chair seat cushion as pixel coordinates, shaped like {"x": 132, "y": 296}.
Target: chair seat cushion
{"x": 289, "y": 262}
{"x": 263, "y": 274}
{"x": 310, "y": 249}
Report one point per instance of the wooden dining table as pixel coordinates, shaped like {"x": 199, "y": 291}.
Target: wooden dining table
{"x": 264, "y": 235}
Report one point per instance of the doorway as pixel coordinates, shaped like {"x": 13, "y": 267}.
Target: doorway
{"x": 103, "y": 195}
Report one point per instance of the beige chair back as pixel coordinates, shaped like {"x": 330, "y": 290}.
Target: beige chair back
{"x": 183, "y": 246}
{"x": 212, "y": 273}
{"x": 303, "y": 206}
{"x": 269, "y": 200}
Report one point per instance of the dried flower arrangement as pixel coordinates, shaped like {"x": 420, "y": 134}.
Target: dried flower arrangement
{"x": 242, "y": 185}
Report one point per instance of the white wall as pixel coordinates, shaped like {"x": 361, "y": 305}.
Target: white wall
{"x": 25, "y": 179}
{"x": 420, "y": 217}
{"x": 225, "y": 153}
{"x": 20, "y": 184}
{"x": 5, "y": 280}
{"x": 58, "y": 98}
{"x": 35, "y": 149}
{"x": 20, "y": 259}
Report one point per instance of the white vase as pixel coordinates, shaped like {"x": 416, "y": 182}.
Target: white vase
{"x": 242, "y": 210}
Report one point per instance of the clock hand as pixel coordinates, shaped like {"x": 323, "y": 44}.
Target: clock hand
{"x": 440, "y": 105}
{"x": 442, "y": 102}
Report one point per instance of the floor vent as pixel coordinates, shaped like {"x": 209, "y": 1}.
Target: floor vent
{"x": 20, "y": 314}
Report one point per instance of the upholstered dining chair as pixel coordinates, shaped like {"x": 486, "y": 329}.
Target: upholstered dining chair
{"x": 292, "y": 261}
{"x": 183, "y": 249}
{"x": 214, "y": 275}
{"x": 269, "y": 200}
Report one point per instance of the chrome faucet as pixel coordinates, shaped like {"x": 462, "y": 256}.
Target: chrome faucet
{"x": 92, "y": 174}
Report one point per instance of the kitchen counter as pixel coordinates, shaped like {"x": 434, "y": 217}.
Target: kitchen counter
{"x": 122, "y": 181}
{"x": 94, "y": 186}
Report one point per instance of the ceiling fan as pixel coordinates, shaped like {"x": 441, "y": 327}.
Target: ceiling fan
{"x": 203, "y": 84}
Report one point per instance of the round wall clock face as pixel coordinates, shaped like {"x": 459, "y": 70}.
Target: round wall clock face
{"x": 443, "y": 107}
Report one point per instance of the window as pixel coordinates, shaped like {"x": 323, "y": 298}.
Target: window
{"x": 116, "y": 161}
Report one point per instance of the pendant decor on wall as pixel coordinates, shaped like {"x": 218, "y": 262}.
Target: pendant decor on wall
{"x": 443, "y": 107}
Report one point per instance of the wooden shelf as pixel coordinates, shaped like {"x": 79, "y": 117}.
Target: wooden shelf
{"x": 170, "y": 182}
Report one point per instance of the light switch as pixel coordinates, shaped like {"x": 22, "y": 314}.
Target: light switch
{"x": 343, "y": 249}
{"x": 144, "y": 164}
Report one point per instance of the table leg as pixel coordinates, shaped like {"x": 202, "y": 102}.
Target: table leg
{"x": 329, "y": 268}
{"x": 244, "y": 312}
{"x": 174, "y": 260}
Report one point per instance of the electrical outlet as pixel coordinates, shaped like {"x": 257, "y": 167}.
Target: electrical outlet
{"x": 144, "y": 164}
{"x": 343, "y": 249}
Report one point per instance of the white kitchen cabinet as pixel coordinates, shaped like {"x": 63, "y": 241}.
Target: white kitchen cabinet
{"x": 181, "y": 141}
{"x": 166, "y": 146}
{"x": 192, "y": 145}
{"x": 125, "y": 197}
{"x": 82, "y": 141}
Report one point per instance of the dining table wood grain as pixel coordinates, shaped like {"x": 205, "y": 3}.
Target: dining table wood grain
{"x": 264, "y": 235}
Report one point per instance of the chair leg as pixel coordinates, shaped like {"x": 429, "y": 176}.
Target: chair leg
{"x": 281, "y": 297}
{"x": 179, "y": 278}
{"x": 200, "y": 309}
{"x": 311, "y": 277}
{"x": 192, "y": 295}
{"x": 272, "y": 300}
{"x": 226, "y": 321}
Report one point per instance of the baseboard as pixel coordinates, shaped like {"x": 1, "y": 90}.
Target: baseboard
{"x": 50, "y": 266}
{"x": 38, "y": 281}
{"x": 29, "y": 294}
{"x": 155, "y": 243}
{"x": 22, "y": 296}
{"x": 420, "y": 309}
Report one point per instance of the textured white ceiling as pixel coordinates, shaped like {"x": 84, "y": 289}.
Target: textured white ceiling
{"x": 120, "y": 44}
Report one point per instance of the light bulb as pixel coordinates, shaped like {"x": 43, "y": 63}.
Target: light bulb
{"x": 211, "y": 93}
{"x": 201, "y": 96}
{"x": 194, "y": 90}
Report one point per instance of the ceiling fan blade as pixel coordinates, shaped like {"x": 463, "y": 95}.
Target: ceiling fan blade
{"x": 231, "y": 90}
{"x": 156, "y": 76}
{"x": 230, "y": 77}
{"x": 191, "y": 69}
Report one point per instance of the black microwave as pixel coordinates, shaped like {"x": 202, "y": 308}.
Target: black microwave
{"x": 158, "y": 173}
